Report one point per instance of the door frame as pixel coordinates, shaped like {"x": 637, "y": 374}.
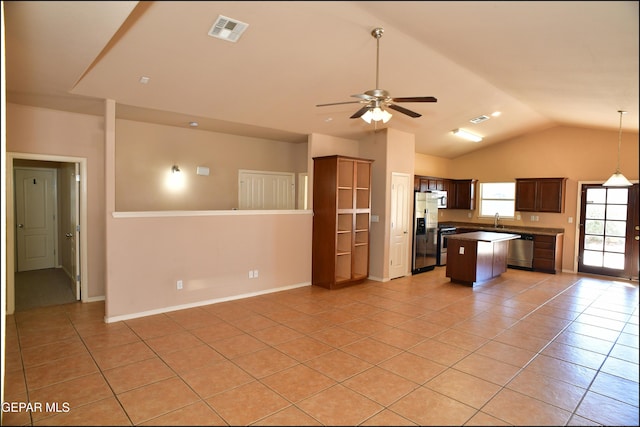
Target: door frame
{"x": 576, "y": 249}
{"x": 10, "y": 226}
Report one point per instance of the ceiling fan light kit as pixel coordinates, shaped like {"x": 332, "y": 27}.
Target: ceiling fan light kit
{"x": 376, "y": 114}
{"x": 376, "y": 101}
{"x": 617, "y": 179}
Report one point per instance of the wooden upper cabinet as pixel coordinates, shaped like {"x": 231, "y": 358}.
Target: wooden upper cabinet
{"x": 423, "y": 184}
{"x": 461, "y": 194}
{"x": 540, "y": 194}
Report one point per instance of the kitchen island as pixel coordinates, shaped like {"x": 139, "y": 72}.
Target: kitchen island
{"x": 477, "y": 256}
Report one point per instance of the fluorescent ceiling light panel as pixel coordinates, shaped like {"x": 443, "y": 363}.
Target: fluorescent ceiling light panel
{"x": 467, "y": 135}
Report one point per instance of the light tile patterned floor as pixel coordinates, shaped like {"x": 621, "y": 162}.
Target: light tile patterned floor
{"x": 522, "y": 349}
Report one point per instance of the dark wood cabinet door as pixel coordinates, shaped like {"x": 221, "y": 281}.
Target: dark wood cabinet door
{"x": 540, "y": 194}
{"x": 424, "y": 185}
{"x": 526, "y": 195}
{"x": 463, "y": 193}
{"x": 550, "y": 196}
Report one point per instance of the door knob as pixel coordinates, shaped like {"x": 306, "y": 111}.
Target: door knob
{"x": 20, "y": 225}
{"x": 637, "y": 238}
{"x": 68, "y": 235}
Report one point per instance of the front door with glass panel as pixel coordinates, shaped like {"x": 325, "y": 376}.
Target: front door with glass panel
{"x": 609, "y": 231}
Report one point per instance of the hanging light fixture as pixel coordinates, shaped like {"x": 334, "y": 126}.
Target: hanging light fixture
{"x": 617, "y": 179}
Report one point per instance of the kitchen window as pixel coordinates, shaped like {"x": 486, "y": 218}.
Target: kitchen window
{"x": 497, "y": 197}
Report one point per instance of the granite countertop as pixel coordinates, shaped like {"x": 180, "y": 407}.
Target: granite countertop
{"x": 507, "y": 228}
{"x": 484, "y": 236}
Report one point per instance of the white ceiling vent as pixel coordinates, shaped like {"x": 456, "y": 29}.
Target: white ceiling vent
{"x": 479, "y": 119}
{"x": 227, "y": 29}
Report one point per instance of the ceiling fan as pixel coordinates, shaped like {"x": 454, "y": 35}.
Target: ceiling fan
{"x": 376, "y": 100}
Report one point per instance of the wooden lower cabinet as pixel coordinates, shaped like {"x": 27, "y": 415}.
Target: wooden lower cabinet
{"x": 341, "y": 221}
{"x": 547, "y": 253}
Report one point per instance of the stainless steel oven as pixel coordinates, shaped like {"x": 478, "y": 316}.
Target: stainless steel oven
{"x": 443, "y": 232}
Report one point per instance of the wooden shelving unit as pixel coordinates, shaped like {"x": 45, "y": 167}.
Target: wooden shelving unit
{"x": 341, "y": 220}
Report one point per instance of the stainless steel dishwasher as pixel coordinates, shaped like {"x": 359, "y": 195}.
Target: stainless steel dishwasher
{"x": 521, "y": 252}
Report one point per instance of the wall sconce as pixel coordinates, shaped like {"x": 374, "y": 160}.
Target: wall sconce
{"x": 467, "y": 135}
{"x": 175, "y": 180}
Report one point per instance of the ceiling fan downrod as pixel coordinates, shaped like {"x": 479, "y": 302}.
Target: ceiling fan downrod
{"x": 377, "y": 33}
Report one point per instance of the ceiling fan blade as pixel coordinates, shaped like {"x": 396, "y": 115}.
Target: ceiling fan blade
{"x": 338, "y": 103}
{"x": 404, "y": 110}
{"x": 360, "y": 112}
{"x": 415, "y": 99}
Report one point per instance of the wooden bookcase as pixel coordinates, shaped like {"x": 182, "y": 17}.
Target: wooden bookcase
{"x": 341, "y": 220}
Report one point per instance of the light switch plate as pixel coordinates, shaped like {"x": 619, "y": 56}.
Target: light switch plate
{"x": 461, "y": 250}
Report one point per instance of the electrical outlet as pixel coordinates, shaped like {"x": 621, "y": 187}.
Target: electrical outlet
{"x": 255, "y": 274}
{"x": 250, "y": 274}
{"x": 179, "y": 284}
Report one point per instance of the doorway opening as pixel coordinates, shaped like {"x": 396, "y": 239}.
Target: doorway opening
{"x": 69, "y": 241}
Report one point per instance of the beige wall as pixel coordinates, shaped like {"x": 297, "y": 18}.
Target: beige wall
{"x": 49, "y": 132}
{"x": 146, "y": 152}
{"x": 426, "y": 165}
{"x": 211, "y": 253}
{"x": 392, "y": 151}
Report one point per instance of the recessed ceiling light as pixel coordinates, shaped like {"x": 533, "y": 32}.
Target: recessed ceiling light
{"x": 495, "y": 114}
{"x": 144, "y": 80}
{"x": 193, "y": 124}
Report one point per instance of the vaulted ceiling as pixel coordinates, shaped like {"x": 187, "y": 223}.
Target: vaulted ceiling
{"x": 540, "y": 63}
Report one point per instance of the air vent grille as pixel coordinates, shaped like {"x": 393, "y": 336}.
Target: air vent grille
{"x": 227, "y": 29}
{"x": 479, "y": 119}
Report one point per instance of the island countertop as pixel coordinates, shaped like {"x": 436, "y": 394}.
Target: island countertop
{"x": 483, "y": 236}
{"x": 477, "y": 256}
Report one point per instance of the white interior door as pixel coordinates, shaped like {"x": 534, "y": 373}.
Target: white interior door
{"x": 266, "y": 190}
{"x": 400, "y": 225}
{"x": 35, "y": 218}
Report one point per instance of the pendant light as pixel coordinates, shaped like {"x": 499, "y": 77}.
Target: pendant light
{"x": 617, "y": 179}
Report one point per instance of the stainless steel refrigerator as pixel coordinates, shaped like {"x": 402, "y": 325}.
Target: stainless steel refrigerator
{"x": 425, "y": 232}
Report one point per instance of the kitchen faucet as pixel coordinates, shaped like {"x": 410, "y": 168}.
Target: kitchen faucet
{"x": 496, "y": 219}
